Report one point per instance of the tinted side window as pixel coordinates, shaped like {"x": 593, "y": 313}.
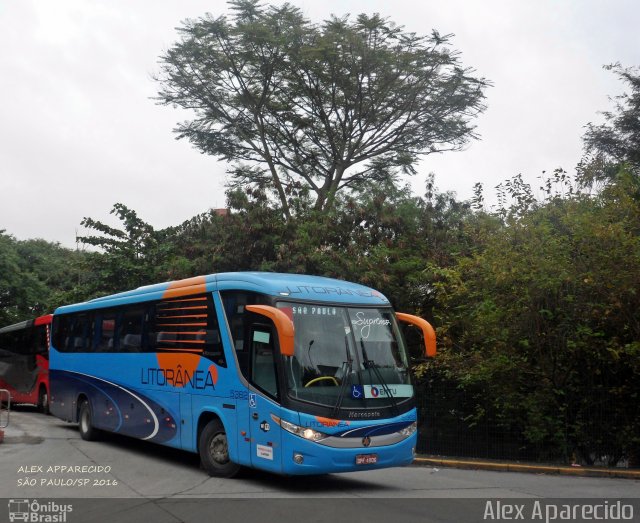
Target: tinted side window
{"x": 28, "y": 341}
{"x": 10, "y": 341}
{"x": 234, "y": 307}
{"x": 105, "y": 340}
{"x": 20, "y": 342}
{"x": 60, "y": 332}
{"x": 263, "y": 365}
{"x": 131, "y": 329}
{"x": 80, "y": 333}
{"x": 72, "y": 332}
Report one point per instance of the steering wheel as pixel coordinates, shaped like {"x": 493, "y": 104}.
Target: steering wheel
{"x": 321, "y": 378}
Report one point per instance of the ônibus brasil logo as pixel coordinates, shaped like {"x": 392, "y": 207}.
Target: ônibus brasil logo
{"x": 36, "y": 512}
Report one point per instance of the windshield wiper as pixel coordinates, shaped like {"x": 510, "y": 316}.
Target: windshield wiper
{"x": 349, "y": 367}
{"x": 371, "y": 365}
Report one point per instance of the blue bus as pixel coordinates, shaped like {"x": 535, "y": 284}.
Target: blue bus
{"x": 287, "y": 373}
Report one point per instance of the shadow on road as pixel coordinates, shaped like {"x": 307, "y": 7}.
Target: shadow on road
{"x": 326, "y": 483}
{"x": 323, "y": 484}
{"x": 24, "y": 407}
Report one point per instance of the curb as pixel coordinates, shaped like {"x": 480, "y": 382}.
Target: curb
{"x": 533, "y": 469}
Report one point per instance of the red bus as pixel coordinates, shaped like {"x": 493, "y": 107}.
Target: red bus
{"x": 24, "y": 361}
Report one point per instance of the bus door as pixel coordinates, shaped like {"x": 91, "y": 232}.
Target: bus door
{"x": 266, "y": 451}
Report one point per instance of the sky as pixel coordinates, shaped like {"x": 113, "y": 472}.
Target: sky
{"x": 80, "y": 131}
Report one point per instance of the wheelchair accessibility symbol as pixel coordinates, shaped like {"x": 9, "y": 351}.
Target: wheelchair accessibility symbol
{"x": 252, "y": 401}
{"x": 357, "y": 391}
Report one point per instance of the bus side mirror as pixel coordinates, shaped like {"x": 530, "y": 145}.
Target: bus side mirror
{"x": 284, "y": 326}
{"x": 427, "y": 331}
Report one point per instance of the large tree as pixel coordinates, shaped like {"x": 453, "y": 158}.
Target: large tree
{"x": 323, "y": 107}
{"x": 613, "y": 148}
{"x": 131, "y": 256}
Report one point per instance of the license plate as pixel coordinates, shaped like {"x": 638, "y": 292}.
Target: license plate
{"x": 366, "y": 459}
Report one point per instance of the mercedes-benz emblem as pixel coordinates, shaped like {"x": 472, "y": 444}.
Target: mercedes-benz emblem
{"x": 366, "y": 441}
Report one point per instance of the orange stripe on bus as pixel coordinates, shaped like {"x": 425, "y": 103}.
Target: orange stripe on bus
{"x": 183, "y": 332}
{"x": 170, "y": 302}
{"x": 177, "y": 349}
{"x": 177, "y": 289}
{"x": 198, "y": 342}
{"x": 171, "y": 309}
{"x": 184, "y": 316}
{"x": 181, "y": 325}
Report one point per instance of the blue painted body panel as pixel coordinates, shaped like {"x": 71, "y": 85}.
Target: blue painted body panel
{"x": 131, "y": 394}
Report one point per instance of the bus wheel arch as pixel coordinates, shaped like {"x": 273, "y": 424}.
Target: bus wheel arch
{"x": 85, "y": 419}
{"x": 213, "y": 447}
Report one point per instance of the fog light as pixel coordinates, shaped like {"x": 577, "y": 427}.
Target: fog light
{"x": 298, "y": 458}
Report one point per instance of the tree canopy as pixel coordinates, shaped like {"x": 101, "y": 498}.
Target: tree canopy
{"x": 35, "y": 277}
{"x": 294, "y": 105}
{"x": 615, "y": 143}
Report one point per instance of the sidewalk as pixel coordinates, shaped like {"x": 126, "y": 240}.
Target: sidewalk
{"x": 506, "y": 466}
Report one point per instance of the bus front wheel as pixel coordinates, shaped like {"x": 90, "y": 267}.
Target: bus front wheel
{"x": 214, "y": 451}
{"x": 87, "y": 431}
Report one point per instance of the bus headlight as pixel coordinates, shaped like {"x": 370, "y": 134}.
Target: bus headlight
{"x": 303, "y": 432}
{"x": 407, "y": 431}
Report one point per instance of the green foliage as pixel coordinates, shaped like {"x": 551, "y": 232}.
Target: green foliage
{"x": 129, "y": 257}
{"x": 534, "y": 301}
{"x": 542, "y": 320}
{"x": 327, "y": 107}
{"x": 35, "y": 277}
{"x": 616, "y": 143}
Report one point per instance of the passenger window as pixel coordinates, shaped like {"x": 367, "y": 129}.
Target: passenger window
{"x": 79, "y": 339}
{"x": 106, "y": 325}
{"x": 61, "y": 327}
{"x": 234, "y": 307}
{"x": 263, "y": 366}
{"x": 130, "y": 338}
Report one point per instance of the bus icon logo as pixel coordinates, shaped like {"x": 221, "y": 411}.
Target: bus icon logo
{"x": 18, "y": 510}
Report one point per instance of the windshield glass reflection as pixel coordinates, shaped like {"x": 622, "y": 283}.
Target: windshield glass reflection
{"x": 347, "y": 355}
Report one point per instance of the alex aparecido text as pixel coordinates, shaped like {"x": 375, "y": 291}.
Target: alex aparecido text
{"x": 548, "y": 511}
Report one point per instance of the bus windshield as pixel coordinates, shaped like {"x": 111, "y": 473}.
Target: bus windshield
{"x": 354, "y": 356}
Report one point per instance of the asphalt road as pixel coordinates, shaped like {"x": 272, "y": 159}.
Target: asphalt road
{"x": 148, "y": 478}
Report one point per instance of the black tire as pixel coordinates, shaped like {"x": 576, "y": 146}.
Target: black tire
{"x": 85, "y": 422}
{"x": 214, "y": 451}
{"x": 43, "y": 400}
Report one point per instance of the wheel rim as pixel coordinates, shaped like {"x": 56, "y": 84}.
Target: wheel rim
{"x": 218, "y": 449}
{"x": 84, "y": 421}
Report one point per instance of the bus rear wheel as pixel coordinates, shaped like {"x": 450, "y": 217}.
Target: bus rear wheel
{"x": 43, "y": 400}
{"x": 213, "y": 448}
{"x": 85, "y": 422}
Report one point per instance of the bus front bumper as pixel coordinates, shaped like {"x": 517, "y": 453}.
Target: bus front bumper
{"x": 300, "y": 456}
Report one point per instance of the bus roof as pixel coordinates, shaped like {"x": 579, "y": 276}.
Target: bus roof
{"x": 288, "y": 286}
{"x": 40, "y": 320}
